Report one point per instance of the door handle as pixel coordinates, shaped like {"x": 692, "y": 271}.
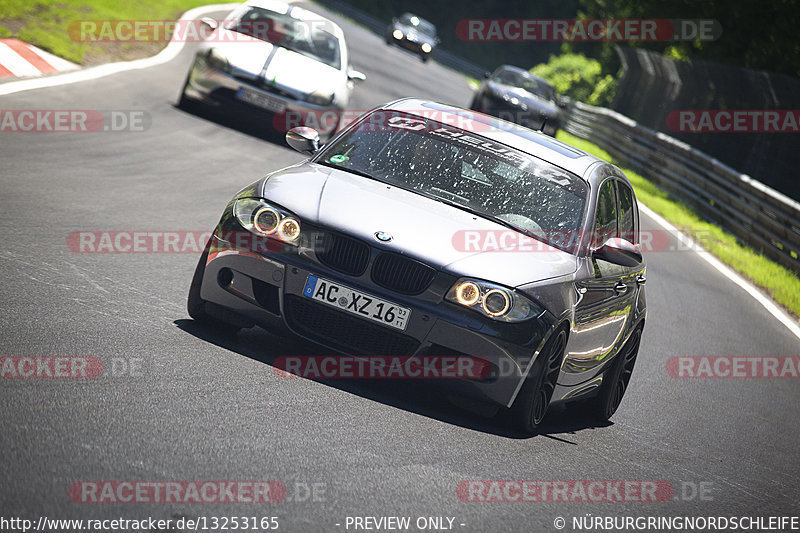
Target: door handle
{"x": 620, "y": 287}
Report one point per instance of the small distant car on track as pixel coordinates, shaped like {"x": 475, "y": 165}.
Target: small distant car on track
{"x": 516, "y": 95}
{"x": 413, "y": 33}
{"x": 272, "y": 57}
{"x": 426, "y": 229}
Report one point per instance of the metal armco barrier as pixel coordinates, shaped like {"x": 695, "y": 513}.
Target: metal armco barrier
{"x": 756, "y": 214}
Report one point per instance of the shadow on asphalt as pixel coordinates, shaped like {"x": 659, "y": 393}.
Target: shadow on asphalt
{"x": 255, "y": 123}
{"x": 416, "y": 396}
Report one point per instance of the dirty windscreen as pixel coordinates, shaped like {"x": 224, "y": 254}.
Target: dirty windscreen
{"x": 466, "y": 170}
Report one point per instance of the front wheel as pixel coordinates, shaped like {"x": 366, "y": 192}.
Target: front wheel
{"x": 615, "y": 382}
{"x": 184, "y": 102}
{"x": 531, "y": 405}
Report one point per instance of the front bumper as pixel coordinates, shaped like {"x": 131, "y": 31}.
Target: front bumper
{"x": 221, "y": 89}
{"x": 413, "y": 46}
{"x": 267, "y": 289}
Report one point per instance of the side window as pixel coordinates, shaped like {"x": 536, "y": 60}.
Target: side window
{"x": 605, "y": 222}
{"x": 626, "y": 216}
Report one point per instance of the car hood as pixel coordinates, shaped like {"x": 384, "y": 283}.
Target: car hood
{"x": 288, "y": 70}
{"x": 421, "y": 228}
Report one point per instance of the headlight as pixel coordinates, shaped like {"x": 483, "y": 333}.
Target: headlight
{"x": 397, "y": 34}
{"x": 492, "y": 300}
{"x": 320, "y": 97}
{"x": 261, "y": 218}
{"x": 426, "y": 48}
{"x": 218, "y": 61}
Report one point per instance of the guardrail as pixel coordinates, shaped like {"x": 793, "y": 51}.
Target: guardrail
{"x": 756, "y": 214}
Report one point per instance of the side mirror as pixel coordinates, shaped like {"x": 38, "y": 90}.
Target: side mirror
{"x": 209, "y": 22}
{"x": 620, "y": 252}
{"x": 304, "y": 140}
{"x": 355, "y": 75}
{"x": 486, "y": 75}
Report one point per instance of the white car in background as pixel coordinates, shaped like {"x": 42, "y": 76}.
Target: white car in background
{"x": 271, "y": 56}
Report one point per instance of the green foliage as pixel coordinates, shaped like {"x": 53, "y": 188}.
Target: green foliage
{"x": 45, "y": 23}
{"x": 757, "y": 35}
{"x": 578, "y": 77}
{"x": 780, "y": 283}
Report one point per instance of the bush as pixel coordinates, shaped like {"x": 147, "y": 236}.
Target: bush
{"x": 578, "y": 77}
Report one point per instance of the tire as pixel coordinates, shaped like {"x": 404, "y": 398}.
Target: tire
{"x": 196, "y": 306}
{"x": 184, "y": 102}
{"x": 615, "y": 383}
{"x": 425, "y": 58}
{"x": 475, "y": 101}
{"x": 531, "y": 405}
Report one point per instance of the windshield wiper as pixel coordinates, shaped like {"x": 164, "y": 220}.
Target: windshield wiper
{"x": 352, "y": 171}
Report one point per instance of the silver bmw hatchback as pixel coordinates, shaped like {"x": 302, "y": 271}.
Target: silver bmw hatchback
{"x": 424, "y": 229}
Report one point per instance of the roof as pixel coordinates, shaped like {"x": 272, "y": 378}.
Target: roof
{"x": 523, "y": 72}
{"x": 526, "y": 140}
{"x": 297, "y": 12}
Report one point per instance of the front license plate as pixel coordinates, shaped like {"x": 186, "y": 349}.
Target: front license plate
{"x": 261, "y": 100}
{"x": 356, "y": 302}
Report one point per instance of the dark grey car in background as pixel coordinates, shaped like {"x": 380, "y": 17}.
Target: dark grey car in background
{"x": 461, "y": 234}
{"x": 413, "y": 33}
{"x": 516, "y": 95}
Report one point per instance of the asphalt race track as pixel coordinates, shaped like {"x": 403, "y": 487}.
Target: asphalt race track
{"x": 202, "y": 407}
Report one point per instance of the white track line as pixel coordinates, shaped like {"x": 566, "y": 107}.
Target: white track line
{"x": 167, "y": 54}
{"x": 782, "y": 316}
{"x": 174, "y": 48}
{"x": 61, "y": 64}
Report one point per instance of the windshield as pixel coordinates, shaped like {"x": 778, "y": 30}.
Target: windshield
{"x": 465, "y": 170}
{"x": 529, "y": 83}
{"x": 306, "y": 37}
{"x": 421, "y": 25}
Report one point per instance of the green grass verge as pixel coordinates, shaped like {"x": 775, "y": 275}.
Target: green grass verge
{"x": 780, "y": 283}
{"x": 45, "y": 23}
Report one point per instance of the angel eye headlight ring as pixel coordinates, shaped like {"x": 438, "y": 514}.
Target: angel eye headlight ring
{"x": 496, "y": 302}
{"x": 468, "y": 293}
{"x": 289, "y": 229}
{"x": 266, "y": 220}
